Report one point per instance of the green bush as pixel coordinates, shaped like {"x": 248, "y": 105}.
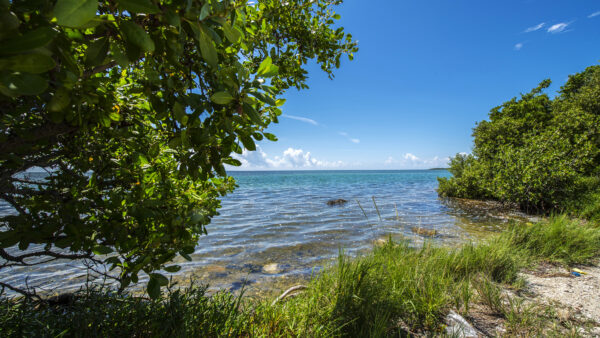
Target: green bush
{"x": 538, "y": 152}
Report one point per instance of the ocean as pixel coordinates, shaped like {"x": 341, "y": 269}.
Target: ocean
{"x": 277, "y": 227}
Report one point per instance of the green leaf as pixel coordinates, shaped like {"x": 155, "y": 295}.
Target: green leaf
{"x": 272, "y": 71}
{"x": 337, "y": 16}
{"x": 137, "y": 36}
{"x": 264, "y": 98}
{"x": 205, "y": 11}
{"x": 232, "y": 161}
{"x": 96, "y": 52}
{"x": 264, "y": 67}
{"x": 186, "y": 256}
{"x": 222, "y": 98}
{"x": 114, "y": 116}
{"x": 172, "y": 268}
{"x": 252, "y": 113}
{"x": 102, "y": 250}
{"x": 141, "y": 159}
{"x": 270, "y": 137}
{"x": 153, "y": 288}
{"x": 172, "y": 18}
{"x": 138, "y": 6}
{"x": 208, "y": 50}
{"x": 24, "y": 83}
{"x": 267, "y": 68}
{"x": 188, "y": 249}
{"x": 248, "y": 142}
{"x": 231, "y": 33}
{"x": 28, "y": 63}
{"x": 8, "y": 22}
{"x": 118, "y": 55}
{"x": 60, "y": 100}
{"x": 75, "y": 13}
{"x": 105, "y": 121}
{"x": 31, "y": 40}
{"x": 162, "y": 280}
{"x": 179, "y": 113}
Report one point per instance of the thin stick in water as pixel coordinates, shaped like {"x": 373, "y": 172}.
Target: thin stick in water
{"x": 363, "y": 210}
{"x": 376, "y": 208}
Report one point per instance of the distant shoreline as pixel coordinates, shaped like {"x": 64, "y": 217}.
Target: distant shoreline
{"x": 329, "y": 170}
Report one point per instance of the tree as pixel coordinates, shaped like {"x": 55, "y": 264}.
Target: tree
{"x": 540, "y": 153}
{"x": 132, "y": 108}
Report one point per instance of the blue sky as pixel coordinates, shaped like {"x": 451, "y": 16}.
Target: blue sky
{"x": 425, "y": 73}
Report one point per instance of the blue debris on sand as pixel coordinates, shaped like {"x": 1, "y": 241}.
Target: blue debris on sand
{"x": 576, "y": 274}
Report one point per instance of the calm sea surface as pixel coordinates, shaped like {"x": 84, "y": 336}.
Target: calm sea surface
{"x": 277, "y": 226}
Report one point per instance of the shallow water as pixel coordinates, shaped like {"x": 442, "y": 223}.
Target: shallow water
{"x": 277, "y": 227}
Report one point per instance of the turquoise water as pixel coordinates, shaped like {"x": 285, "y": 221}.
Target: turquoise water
{"x": 277, "y": 226}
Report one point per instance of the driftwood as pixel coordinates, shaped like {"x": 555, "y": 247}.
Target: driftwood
{"x": 288, "y": 293}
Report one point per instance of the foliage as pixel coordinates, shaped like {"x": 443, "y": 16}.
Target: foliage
{"x": 538, "y": 152}
{"x": 394, "y": 290}
{"x": 132, "y": 108}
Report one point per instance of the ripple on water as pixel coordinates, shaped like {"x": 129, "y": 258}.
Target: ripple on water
{"x": 276, "y": 227}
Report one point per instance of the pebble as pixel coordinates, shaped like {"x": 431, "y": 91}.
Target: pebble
{"x": 271, "y": 268}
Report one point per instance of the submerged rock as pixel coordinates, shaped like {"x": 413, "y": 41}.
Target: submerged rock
{"x": 271, "y": 268}
{"x": 339, "y": 201}
{"x": 457, "y": 326}
{"x": 424, "y": 232}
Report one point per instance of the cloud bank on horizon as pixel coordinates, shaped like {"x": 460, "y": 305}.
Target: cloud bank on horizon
{"x": 411, "y": 161}
{"x": 291, "y": 159}
{"x": 299, "y": 159}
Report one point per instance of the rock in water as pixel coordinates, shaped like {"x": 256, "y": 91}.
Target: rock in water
{"x": 457, "y": 326}
{"x": 339, "y": 201}
{"x": 271, "y": 268}
{"x": 424, "y": 232}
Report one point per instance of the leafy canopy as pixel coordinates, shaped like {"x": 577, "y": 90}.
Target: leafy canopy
{"x": 132, "y": 108}
{"x": 540, "y": 153}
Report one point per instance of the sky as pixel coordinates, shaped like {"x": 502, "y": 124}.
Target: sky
{"x": 425, "y": 73}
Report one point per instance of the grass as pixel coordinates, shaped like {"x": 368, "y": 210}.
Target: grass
{"x": 395, "y": 290}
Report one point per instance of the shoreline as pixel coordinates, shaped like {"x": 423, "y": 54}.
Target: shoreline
{"x": 395, "y": 289}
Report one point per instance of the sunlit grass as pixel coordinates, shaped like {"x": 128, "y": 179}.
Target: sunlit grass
{"x": 396, "y": 289}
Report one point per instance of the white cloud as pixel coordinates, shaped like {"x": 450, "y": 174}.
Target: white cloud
{"x": 518, "y": 46}
{"x": 300, "y": 118}
{"x": 558, "y": 28}
{"x": 595, "y": 14}
{"x": 290, "y": 159}
{"x": 535, "y": 28}
{"x": 353, "y": 140}
{"x": 410, "y": 157}
{"x": 411, "y": 161}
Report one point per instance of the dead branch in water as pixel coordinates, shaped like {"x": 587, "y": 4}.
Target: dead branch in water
{"x": 288, "y": 292}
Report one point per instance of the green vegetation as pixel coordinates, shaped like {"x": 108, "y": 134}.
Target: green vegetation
{"x": 133, "y": 107}
{"x": 393, "y": 290}
{"x": 540, "y": 153}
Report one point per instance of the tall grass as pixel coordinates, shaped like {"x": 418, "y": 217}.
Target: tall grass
{"x": 394, "y": 290}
